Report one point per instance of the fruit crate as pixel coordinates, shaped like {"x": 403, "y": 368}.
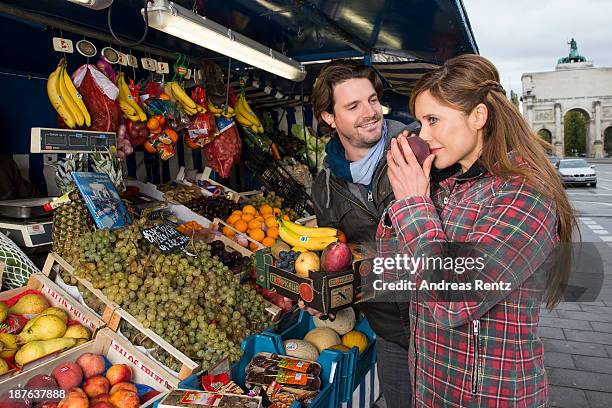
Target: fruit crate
{"x": 116, "y": 351}
{"x": 60, "y": 271}
{"x": 262, "y": 342}
{"x": 56, "y": 297}
{"x": 354, "y": 365}
{"x": 134, "y": 332}
{"x": 220, "y": 224}
{"x": 275, "y": 178}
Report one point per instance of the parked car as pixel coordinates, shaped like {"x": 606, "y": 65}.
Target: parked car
{"x": 576, "y": 172}
{"x": 553, "y": 159}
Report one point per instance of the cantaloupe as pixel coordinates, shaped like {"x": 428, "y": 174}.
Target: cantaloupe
{"x": 322, "y": 338}
{"x": 355, "y": 338}
{"x": 342, "y": 324}
{"x": 340, "y": 347}
{"x": 301, "y": 349}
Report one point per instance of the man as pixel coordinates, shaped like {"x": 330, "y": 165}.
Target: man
{"x": 352, "y": 192}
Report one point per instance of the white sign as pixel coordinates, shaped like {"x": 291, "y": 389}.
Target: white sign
{"x": 123, "y": 60}
{"x": 163, "y": 68}
{"x": 132, "y": 61}
{"x": 149, "y": 64}
{"x": 63, "y": 45}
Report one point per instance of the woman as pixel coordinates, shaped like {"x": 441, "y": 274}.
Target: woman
{"x": 493, "y": 190}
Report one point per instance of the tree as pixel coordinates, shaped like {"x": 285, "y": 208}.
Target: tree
{"x": 514, "y": 98}
{"x": 575, "y": 133}
{"x": 608, "y": 141}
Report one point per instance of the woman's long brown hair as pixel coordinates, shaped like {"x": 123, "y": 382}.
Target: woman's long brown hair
{"x": 464, "y": 82}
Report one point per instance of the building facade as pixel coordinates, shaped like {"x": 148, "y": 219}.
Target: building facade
{"x": 575, "y": 85}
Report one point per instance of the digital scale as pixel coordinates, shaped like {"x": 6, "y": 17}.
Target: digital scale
{"x": 25, "y": 221}
{"x": 49, "y": 140}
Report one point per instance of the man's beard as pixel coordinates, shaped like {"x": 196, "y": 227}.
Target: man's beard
{"x": 358, "y": 141}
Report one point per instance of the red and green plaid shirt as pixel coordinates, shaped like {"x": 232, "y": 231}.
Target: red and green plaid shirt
{"x": 484, "y": 351}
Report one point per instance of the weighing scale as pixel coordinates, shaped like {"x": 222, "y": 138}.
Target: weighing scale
{"x": 25, "y": 221}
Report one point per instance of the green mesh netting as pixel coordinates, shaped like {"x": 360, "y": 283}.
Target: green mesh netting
{"x": 17, "y": 266}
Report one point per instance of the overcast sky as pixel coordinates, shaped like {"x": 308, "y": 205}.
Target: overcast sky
{"x": 530, "y": 35}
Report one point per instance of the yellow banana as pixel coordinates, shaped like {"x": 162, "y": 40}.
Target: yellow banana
{"x": 126, "y": 108}
{"x": 200, "y": 108}
{"x": 181, "y": 95}
{"x": 242, "y": 120}
{"x": 255, "y": 128}
{"x": 213, "y": 108}
{"x": 310, "y": 243}
{"x": 168, "y": 90}
{"x": 56, "y": 98}
{"x": 76, "y": 96}
{"x": 69, "y": 102}
{"x": 124, "y": 94}
{"x": 189, "y": 111}
{"x": 247, "y": 111}
{"x": 309, "y": 231}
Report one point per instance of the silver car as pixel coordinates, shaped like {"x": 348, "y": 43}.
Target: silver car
{"x": 576, "y": 172}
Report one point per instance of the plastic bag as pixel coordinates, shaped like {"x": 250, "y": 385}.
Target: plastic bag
{"x": 99, "y": 95}
{"x": 201, "y": 131}
{"x": 223, "y": 153}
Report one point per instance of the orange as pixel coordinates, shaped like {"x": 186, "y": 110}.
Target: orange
{"x": 149, "y": 147}
{"x": 228, "y": 232}
{"x": 341, "y": 236}
{"x": 276, "y": 210}
{"x": 237, "y": 212}
{"x": 249, "y": 209}
{"x": 233, "y": 218}
{"x": 271, "y": 222}
{"x": 257, "y": 234}
{"x": 266, "y": 209}
{"x": 253, "y": 246}
{"x": 248, "y": 217}
{"x": 153, "y": 124}
{"x": 267, "y": 241}
{"x": 172, "y": 135}
{"x": 272, "y": 232}
{"x": 286, "y": 218}
{"x": 254, "y": 224}
{"x": 241, "y": 225}
{"x": 259, "y": 218}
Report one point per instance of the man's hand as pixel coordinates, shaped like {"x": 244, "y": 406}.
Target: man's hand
{"x": 314, "y": 312}
{"x": 406, "y": 176}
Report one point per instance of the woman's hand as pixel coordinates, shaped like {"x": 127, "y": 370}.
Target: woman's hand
{"x": 406, "y": 176}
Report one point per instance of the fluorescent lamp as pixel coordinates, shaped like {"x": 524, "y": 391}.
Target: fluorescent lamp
{"x": 189, "y": 26}
{"x": 93, "y": 4}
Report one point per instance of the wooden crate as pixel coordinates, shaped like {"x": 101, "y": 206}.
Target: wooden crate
{"x": 122, "y": 321}
{"x": 219, "y": 224}
{"x": 56, "y": 297}
{"x": 310, "y": 221}
{"x": 102, "y": 306}
{"x": 118, "y": 351}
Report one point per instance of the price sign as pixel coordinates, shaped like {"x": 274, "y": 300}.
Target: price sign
{"x": 63, "y": 45}
{"x": 149, "y": 64}
{"x": 132, "y": 61}
{"x": 165, "y": 237}
{"x": 123, "y": 60}
{"x": 163, "y": 68}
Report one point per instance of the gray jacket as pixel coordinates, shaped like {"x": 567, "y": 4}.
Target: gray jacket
{"x": 345, "y": 205}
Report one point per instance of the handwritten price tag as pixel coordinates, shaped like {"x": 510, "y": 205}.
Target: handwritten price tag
{"x": 149, "y": 64}
{"x": 132, "y": 61}
{"x": 165, "y": 237}
{"x": 63, "y": 45}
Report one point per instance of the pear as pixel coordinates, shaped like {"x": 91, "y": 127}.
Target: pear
{"x": 30, "y": 304}
{"x": 56, "y": 311}
{"x": 43, "y": 328}
{"x": 40, "y": 348}
{"x": 4, "y": 368}
{"x": 77, "y": 331}
{"x": 80, "y": 341}
{"x": 9, "y": 342}
{"x": 3, "y": 311}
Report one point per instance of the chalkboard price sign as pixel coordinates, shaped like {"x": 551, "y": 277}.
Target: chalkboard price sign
{"x": 165, "y": 237}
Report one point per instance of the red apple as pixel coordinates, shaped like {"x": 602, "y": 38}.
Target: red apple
{"x": 419, "y": 147}
{"x": 336, "y": 257}
{"x": 100, "y": 398}
{"x": 76, "y": 398}
{"x": 92, "y": 364}
{"x": 68, "y": 375}
{"x": 119, "y": 373}
{"x": 123, "y": 386}
{"x": 125, "y": 399}
{"x": 101, "y": 404}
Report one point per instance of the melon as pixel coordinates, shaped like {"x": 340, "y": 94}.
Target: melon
{"x": 342, "y": 324}
{"x": 322, "y": 338}
{"x": 355, "y": 338}
{"x": 340, "y": 347}
{"x": 301, "y": 349}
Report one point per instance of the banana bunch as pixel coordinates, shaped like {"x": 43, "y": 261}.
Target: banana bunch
{"x": 245, "y": 115}
{"x": 65, "y": 98}
{"x": 217, "y": 111}
{"x": 128, "y": 105}
{"x": 311, "y": 238}
{"x": 176, "y": 92}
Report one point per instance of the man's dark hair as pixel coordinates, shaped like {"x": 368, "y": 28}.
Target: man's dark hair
{"x": 333, "y": 73}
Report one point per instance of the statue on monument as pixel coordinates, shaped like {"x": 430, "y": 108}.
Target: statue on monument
{"x": 573, "y": 56}
{"x": 573, "y": 49}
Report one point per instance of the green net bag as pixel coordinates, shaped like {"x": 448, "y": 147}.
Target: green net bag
{"x": 17, "y": 266}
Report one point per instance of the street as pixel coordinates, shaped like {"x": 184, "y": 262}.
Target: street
{"x": 577, "y": 337}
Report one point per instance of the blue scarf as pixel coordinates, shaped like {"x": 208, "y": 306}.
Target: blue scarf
{"x": 360, "y": 171}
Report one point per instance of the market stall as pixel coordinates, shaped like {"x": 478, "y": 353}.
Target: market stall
{"x": 177, "y": 227}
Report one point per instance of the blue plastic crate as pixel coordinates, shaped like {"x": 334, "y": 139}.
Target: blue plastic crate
{"x": 266, "y": 342}
{"x": 354, "y": 366}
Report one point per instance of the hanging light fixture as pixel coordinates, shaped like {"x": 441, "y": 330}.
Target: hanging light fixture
{"x": 180, "y": 22}
{"x": 93, "y": 4}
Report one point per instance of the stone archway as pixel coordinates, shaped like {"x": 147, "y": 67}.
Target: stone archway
{"x": 546, "y": 135}
{"x": 608, "y": 142}
{"x": 576, "y": 132}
